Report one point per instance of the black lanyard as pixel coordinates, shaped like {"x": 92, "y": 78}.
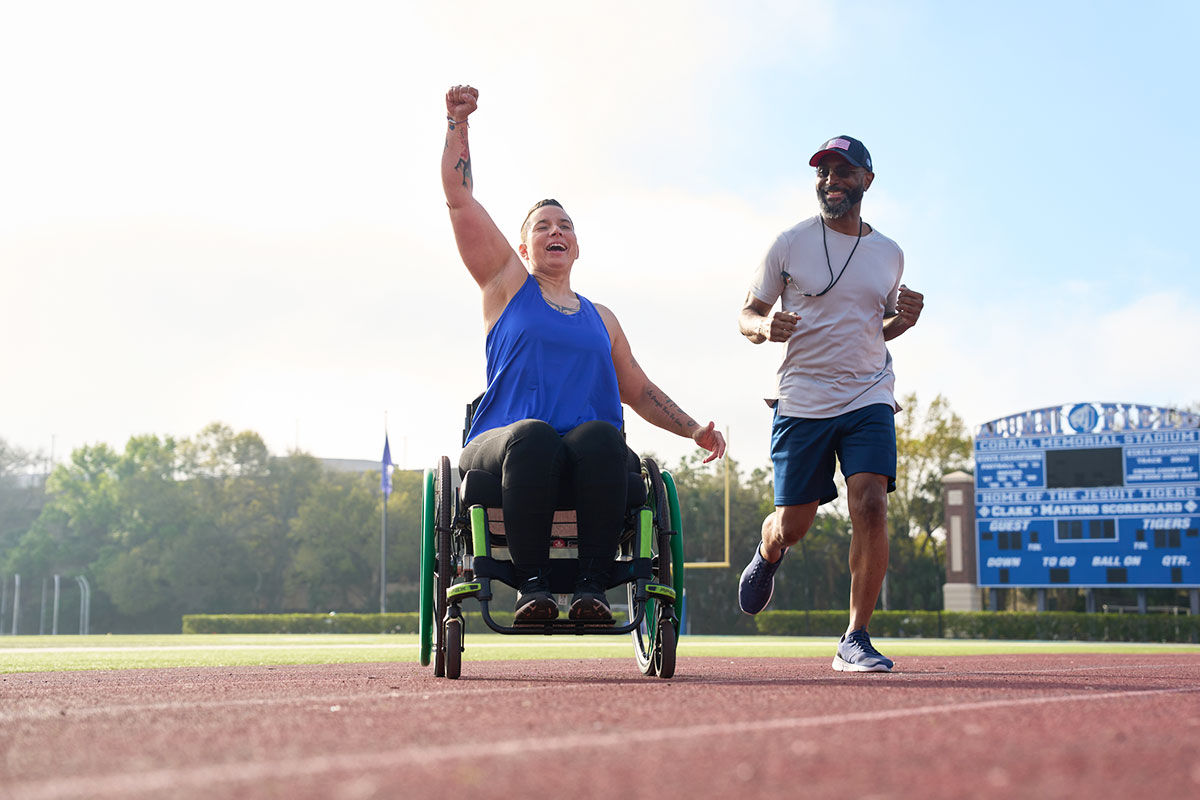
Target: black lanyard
{"x": 832, "y": 280}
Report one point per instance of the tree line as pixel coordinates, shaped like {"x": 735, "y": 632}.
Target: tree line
{"x": 217, "y": 524}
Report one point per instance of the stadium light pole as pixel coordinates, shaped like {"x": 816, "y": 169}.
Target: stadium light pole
{"x": 16, "y": 603}
{"x": 54, "y": 617}
{"x": 85, "y": 605}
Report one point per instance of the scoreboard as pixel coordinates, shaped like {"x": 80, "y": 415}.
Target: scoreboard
{"x": 1089, "y": 495}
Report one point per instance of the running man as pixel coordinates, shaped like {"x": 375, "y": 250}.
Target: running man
{"x": 838, "y": 283}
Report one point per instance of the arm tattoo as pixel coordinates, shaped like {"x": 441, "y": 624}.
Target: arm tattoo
{"x": 667, "y": 408}
{"x": 465, "y": 164}
{"x": 464, "y": 159}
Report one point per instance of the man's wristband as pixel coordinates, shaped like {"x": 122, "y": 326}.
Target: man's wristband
{"x": 454, "y": 122}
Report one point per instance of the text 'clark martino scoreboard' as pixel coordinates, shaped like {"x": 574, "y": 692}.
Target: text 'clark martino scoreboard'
{"x": 1090, "y": 494}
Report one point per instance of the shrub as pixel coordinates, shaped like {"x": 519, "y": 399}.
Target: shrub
{"x": 300, "y": 623}
{"x": 334, "y": 623}
{"x": 1047, "y": 625}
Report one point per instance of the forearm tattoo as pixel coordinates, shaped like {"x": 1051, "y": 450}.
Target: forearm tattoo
{"x": 465, "y": 165}
{"x": 464, "y": 161}
{"x": 666, "y": 406}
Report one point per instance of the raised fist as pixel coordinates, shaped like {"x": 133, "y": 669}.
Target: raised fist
{"x": 461, "y": 101}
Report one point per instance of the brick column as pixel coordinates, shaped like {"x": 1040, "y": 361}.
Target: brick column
{"x": 960, "y": 592}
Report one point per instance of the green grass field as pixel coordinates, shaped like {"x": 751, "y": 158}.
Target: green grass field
{"x": 53, "y": 653}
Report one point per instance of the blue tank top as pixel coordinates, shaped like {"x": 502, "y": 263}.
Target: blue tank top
{"x": 543, "y": 364}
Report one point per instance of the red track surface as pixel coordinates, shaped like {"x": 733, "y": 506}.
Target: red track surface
{"x": 998, "y": 726}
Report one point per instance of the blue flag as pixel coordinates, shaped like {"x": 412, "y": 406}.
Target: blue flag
{"x": 385, "y": 479}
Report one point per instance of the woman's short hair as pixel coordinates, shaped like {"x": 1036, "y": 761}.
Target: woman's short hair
{"x": 549, "y": 201}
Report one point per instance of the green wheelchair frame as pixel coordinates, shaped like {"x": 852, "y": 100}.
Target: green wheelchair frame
{"x": 457, "y": 563}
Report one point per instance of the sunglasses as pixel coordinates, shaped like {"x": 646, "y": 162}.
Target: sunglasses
{"x": 841, "y": 170}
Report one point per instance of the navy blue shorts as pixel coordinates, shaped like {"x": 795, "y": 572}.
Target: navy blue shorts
{"x": 803, "y": 452}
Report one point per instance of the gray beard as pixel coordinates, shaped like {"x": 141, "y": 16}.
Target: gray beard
{"x": 839, "y": 210}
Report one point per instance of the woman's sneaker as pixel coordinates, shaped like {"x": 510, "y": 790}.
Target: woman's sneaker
{"x": 589, "y": 603}
{"x": 856, "y": 654}
{"x": 757, "y": 584}
{"x": 534, "y": 602}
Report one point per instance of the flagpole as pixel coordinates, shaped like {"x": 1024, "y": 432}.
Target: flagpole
{"x": 383, "y": 561}
{"x": 384, "y": 484}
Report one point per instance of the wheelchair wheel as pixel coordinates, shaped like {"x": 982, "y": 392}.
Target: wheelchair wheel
{"x": 444, "y": 517}
{"x": 643, "y": 646}
{"x": 676, "y": 547}
{"x": 454, "y": 647}
{"x": 646, "y": 635}
{"x": 664, "y": 648}
{"x": 663, "y": 526}
{"x": 427, "y": 566}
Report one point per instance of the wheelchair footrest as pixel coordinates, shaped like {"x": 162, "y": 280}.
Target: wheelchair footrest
{"x": 568, "y": 625}
{"x": 560, "y": 625}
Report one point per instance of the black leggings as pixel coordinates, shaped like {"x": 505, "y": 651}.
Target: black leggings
{"x": 591, "y": 461}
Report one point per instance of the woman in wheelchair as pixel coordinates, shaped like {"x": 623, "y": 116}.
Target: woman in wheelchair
{"x": 558, "y": 369}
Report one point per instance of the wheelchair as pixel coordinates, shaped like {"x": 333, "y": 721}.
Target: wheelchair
{"x": 463, "y": 547}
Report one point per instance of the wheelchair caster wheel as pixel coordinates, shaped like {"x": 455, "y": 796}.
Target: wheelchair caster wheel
{"x": 664, "y": 648}
{"x": 454, "y": 647}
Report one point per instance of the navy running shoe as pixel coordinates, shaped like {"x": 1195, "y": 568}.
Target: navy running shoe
{"x": 758, "y": 582}
{"x": 856, "y": 654}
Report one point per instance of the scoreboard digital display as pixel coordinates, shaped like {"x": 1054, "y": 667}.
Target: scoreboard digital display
{"x": 1089, "y": 495}
{"x": 1084, "y": 469}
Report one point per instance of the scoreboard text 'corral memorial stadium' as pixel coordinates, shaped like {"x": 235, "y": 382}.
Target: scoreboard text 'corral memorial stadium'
{"x": 1086, "y": 495}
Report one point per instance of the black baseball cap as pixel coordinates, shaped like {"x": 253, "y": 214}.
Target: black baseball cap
{"x": 848, "y": 148}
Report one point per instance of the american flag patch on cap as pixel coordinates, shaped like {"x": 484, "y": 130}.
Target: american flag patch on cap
{"x": 840, "y": 144}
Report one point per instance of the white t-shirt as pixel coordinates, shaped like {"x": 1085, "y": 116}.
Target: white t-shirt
{"x": 836, "y": 361}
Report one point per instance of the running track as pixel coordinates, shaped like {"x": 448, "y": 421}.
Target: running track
{"x": 1045, "y": 726}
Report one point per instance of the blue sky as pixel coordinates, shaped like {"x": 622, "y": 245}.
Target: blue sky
{"x": 231, "y": 211}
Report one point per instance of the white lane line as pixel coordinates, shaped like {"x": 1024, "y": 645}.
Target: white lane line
{"x": 168, "y": 648}
{"x": 571, "y": 643}
{"x": 57, "y": 711}
{"x": 622, "y": 644}
{"x": 902, "y": 674}
{"x": 54, "y": 709}
{"x": 164, "y": 781}
{"x": 562, "y": 645}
